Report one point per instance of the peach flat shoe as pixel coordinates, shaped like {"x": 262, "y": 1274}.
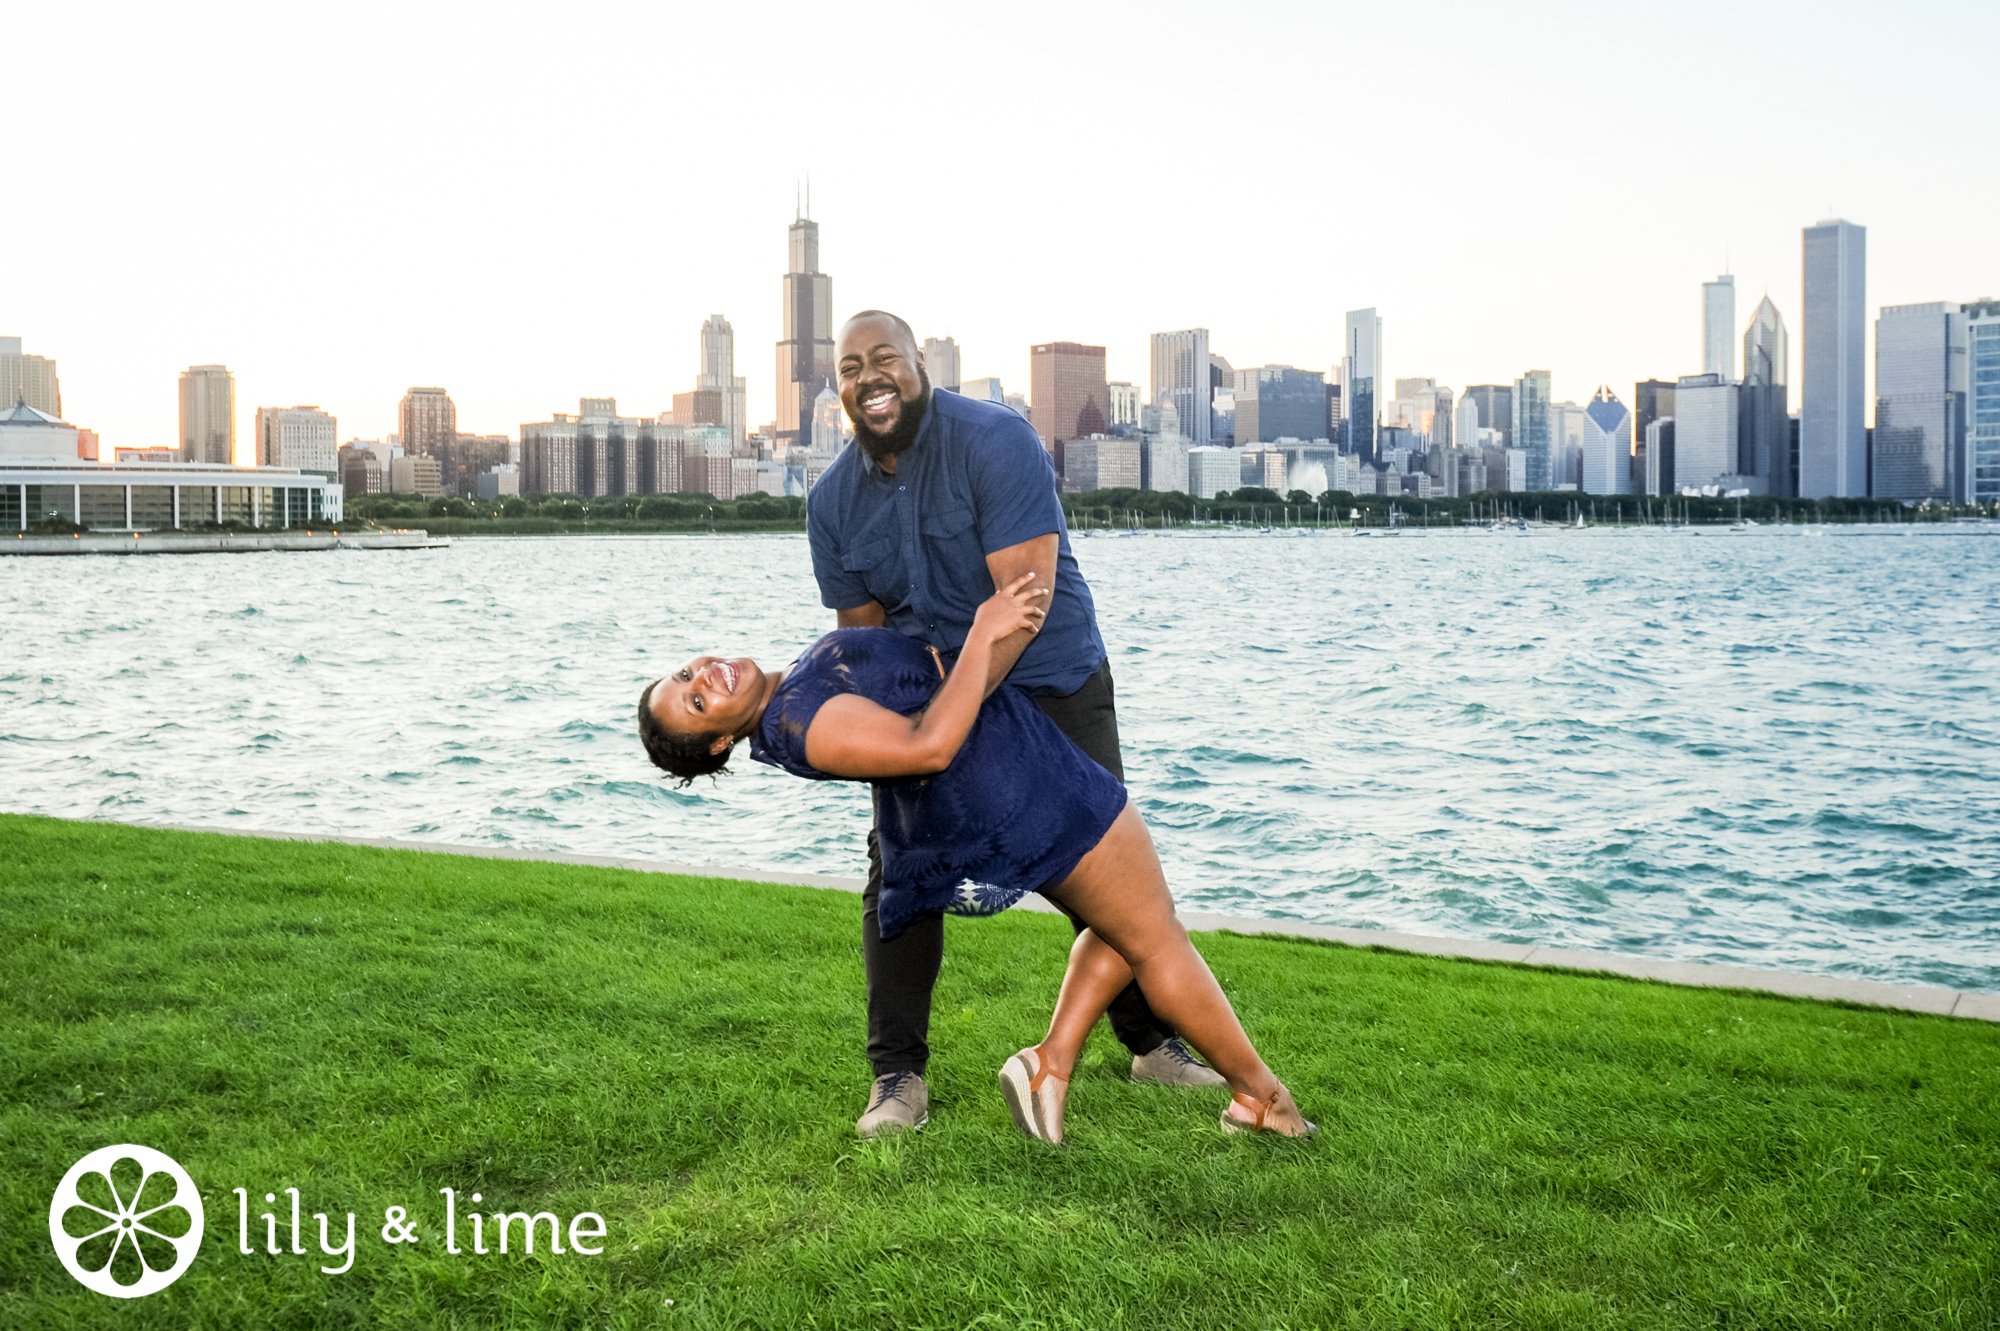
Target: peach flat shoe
{"x": 1034, "y": 1095}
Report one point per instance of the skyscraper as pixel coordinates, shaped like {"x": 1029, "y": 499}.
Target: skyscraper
{"x": 1652, "y": 400}
{"x": 1276, "y": 402}
{"x": 1707, "y": 424}
{"x": 208, "y": 415}
{"x": 1920, "y": 391}
{"x": 1124, "y": 405}
{"x": 29, "y": 379}
{"x": 1567, "y": 428}
{"x": 1531, "y": 427}
{"x": 1361, "y": 374}
{"x": 1181, "y": 377}
{"x": 1982, "y": 402}
{"x": 428, "y": 421}
{"x": 1659, "y": 453}
{"x": 718, "y": 353}
{"x": 1767, "y": 427}
{"x": 1068, "y": 398}
{"x": 717, "y": 400}
{"x": 1465, "y": 423}
{"x": 718, "y": 375}
{"x": 1221, "y": 400}
{"x": 1718, "y": 327}
{"x": 1607, "y": 445}
{"x": 1833, "y": 438}
{"x": 805, "y": 355}
{"x": 1495, "y": 405}
{"x": 1766, "y": 348}
{"x": 941, "y": 362}
{"x": 829, "y": 424}
{"x": 1442, "y": 418}
{"x": 1412, "y": 404}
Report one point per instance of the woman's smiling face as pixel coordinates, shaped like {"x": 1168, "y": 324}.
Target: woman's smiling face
{"x": 710, "y": 695}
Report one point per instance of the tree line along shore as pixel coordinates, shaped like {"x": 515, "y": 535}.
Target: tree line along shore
{"x": 1145, "y": 510}
{"x": 1119, "y": 509}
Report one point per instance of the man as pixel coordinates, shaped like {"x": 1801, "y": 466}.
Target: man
{"x": 941, "y": 500}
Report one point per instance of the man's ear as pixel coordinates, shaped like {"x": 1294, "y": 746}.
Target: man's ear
{"x": 723, "y": 744}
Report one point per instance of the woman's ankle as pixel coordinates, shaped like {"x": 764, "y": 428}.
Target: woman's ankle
{"x": 1260, "y": 1090}
{"x": 1052, "y": 1058}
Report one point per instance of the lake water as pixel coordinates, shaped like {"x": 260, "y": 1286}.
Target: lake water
{"x": 1774, "y": 748}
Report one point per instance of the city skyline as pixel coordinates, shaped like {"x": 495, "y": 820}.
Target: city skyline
{"x": 529, "y": 308}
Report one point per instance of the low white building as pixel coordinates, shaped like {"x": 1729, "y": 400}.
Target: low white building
{"x": 1100, "y": 463}
{"x": 501, "y": 482}
{"x": 158, "y": 496}
{"x": 1266, "y": 467}
{"x": 1213, "y": 470}
{"x": 30, "y": 435}
{"x": 43, "y": 480}
{"x": 1163, "y": 459}
{"x": 300, "y": 438}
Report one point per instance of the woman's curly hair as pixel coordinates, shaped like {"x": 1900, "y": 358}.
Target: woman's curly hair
{"x": 684, "y": 756}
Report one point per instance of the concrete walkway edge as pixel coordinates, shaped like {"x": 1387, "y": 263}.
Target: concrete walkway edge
{"x": 1933, "y": 999}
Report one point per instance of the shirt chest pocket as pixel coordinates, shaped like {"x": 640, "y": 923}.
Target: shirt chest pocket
{"x": 879, "y": 566}
{"x": 951, "y": 546}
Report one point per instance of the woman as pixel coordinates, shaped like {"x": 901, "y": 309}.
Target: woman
{"x": 977, "y": 806}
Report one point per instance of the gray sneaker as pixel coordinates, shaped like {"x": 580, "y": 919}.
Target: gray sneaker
{"x": 900, "y": 1102}
{"x": 1174, "y": 1064}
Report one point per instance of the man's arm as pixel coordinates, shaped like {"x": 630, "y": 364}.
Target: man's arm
{"x": 1036, "y": 555}
{"x": 871, "y": 615}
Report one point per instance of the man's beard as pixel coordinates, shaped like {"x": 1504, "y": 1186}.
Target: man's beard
{"x": 879, "y": 446}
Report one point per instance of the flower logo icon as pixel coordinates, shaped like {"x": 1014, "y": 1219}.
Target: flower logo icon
{"x": 126, "y": 1221}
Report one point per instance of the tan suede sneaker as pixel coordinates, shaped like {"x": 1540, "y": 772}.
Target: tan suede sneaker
{"x": 1174, "y": 1064}
{"x": 899, "y": 1102}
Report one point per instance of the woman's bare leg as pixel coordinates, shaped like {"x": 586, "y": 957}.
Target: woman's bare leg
{"x": 1096, "y": 975}
{"x": 1119, "y": 890}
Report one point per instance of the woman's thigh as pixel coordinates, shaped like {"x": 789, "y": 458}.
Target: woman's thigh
{"x": 1119, "y": 890}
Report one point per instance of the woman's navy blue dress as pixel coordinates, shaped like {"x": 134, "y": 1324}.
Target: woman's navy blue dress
{"x": 1014, "y": 812}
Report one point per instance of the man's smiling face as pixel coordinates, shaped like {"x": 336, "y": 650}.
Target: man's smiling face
{"x": 881, "y": 379}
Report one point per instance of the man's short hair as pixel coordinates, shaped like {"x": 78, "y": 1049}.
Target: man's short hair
{"x": 895, "y": 319}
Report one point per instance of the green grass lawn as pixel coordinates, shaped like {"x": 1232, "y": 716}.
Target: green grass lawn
{"x": 1500, "y": 1147}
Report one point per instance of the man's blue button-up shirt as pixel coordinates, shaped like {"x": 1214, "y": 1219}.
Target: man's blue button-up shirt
{"x": 975, "y": 480}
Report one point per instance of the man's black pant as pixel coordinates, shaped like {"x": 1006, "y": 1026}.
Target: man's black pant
{"x": 903, "y": 971}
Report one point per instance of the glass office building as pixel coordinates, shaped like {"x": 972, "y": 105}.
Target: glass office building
{"x": 1982, "y": 408}
{"x": 1833, "y": 438}
{"x": 1531, "y": 427}
{"x": 1919, "y": 403}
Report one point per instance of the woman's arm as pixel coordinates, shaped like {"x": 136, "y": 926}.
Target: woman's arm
{"x": 853, "y": 737}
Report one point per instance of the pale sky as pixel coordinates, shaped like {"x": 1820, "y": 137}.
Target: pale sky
{"x": 529, "y": 203}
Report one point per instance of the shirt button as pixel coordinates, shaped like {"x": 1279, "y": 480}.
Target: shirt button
{"x": 901, "y": 488}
